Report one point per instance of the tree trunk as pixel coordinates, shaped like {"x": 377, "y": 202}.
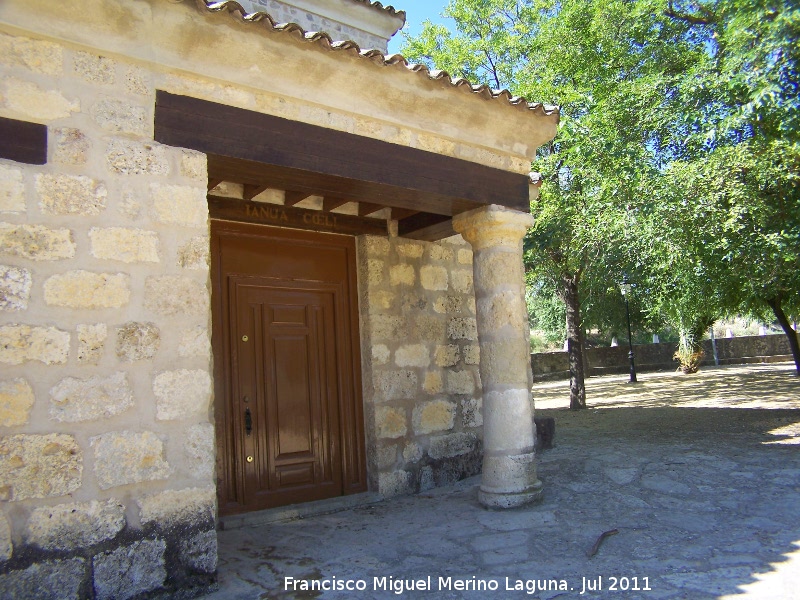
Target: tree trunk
{"x": 775, "y": 305}
{"x": 577, "y": 387}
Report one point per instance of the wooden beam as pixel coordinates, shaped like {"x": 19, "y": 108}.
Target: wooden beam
{"x": 293, "y": 198}
{"x": 429, "y": 179}
{"x": 328, "y": 204}
{"x": 213, "y": 182}
{"x": 367, "y": 208}
{"x": 426, "y": 227}
{"x": 23, "y": 142}
{"x": 402, "y": 213}
{"x": 251, "y": 191}
{"x": 245, "y": 211}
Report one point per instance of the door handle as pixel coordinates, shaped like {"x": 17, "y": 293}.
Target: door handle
{"x": 248, "y": 421}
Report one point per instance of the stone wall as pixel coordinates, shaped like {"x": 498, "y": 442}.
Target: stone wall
{"x": 654, "y": 357}
{"x": 106, "y": 442}
{"x": 422, "y": 389}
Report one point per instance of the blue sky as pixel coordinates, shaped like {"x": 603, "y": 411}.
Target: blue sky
{"x": 416, "y": 12}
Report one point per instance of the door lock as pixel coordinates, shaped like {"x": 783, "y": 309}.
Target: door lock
{"x": 248, "y": 421}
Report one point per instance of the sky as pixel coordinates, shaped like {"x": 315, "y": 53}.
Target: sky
{"x": 416, "y": 12}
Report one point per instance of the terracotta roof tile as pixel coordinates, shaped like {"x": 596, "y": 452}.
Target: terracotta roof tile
{"x": 375, "y": 56}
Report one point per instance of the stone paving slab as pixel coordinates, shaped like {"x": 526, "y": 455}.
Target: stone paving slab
{"x": 703, "y": 488}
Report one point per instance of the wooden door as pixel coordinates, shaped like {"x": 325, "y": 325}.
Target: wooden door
{"x": 289, "y": 421}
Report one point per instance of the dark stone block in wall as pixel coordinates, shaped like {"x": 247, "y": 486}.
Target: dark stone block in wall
{"x": 545, "y": 432}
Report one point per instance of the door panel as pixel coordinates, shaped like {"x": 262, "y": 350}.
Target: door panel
{"x": 289, "y": 422}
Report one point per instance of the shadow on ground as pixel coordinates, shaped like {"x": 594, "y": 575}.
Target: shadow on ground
{"x": 704, "y": 495}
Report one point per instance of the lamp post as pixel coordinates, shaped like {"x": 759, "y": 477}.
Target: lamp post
{"x": 625, "y": 288}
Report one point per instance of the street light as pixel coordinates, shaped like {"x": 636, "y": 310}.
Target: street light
{"x": 625, "y": 288}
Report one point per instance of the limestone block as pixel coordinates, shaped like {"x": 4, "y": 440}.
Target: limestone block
{"x": 436, "y": 415}
{"x": 195, "y": 342}
{"x": 402, "y": 275}
{"x": 47, "y": 580}
{"x": 16, "y": 401}
{"x": 119, "y": 116}
{"x": 387, "y": 327}
{"x": 194, "y": 254}
{"x": 447, "y": 356}
{"x": 412, "y": 355}
{"x": 137, "y": 81}
{"x": 20, "y": 343}
{"x": 506, "y": 362}
{"x": 35, "y": 55}
{"x": 181, "y": 393}
{"x": 375, "y": 246}
{"x": 440, "y": 252}
{"x": 386, "y": 456}
{"x": 36, "y": 242}
{"x": 395, "y": 385}
{"x": 70, "y": 146}
{"x": 39, "y": 466}
{"x": 194, "y": 165}
{"x": 129, "y": 205}
{"x": 461, "y": 280}
{"x": 70, "y": 194}
{"x": 374, "y": 271}
{"x": 199, "y": 450}
{"x": 471, "y": 305}
{"x": 91, "y": 341}
{"x": 448, "y": 305}
{"x": 395, "y": 483}
{"x": 124, "y": 245}
{"x": 433, "y": 277}
{"x": 137, "y": 341}
{"x": 94, "y": 69}
{"x": 74, "y": 526}
{"x": 175, "y": 295}
{"x": 471, "y": 411}
{"x": 182, "y": 205}
{"x": 462, "y": 328}
{"x": 33, "y": 102}
{"x": 428, "y": 328}
{"x": 433, "y": 383}
{"x": 130, "y": 157}
{"x": 380, "y": 300}
{"x": 427, "y": 481}
{"x": 190, "y": 506}
{"x": 6, "y": 545}
{"x": 122, "y": 457}
{"x": 464, "y": 256}
{"x": 460, "y": 382}
{"x": 498, "y": 268}
{"x": 453, "y": 444}
{"x": 472, "y": 355}
{"x": 85, "y": 289}
{"x": 412, "y": 452}
{"x": 410, "y": 250}
{"x": 15, "y": 288}
{"x": 12, "y": 190}
{"x": 73, "y": 400}
{"x": 130, "y": 571}
{"x": 390, "y": 422}
{"x": 436, "y": 144}
{"x": 380, "y": 354}
{"x": 503, "y": 309}
{"x": 200, "y": 552}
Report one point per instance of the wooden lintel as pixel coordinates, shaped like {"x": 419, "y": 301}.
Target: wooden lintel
{"x": 293, "y": 198}
{"x": 426, "y": 226}
{"x": 212, "y": 183}
{"x": 328, "y": 204}
{"x": 367, "y": 208}
{"x": 23, "y": 142}
{"x": 251, "y": 191}
{"x": 231, "y": 209}
{"x": 402, "y": 213}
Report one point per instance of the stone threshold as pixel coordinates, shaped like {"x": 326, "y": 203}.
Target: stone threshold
{"x": 298, "y": 511}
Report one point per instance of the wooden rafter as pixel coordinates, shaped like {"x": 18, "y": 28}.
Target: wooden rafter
{"x": 212, "y": 183}
{"x": 367, "y": 208}
{"x": 251, "y": 191}
{"x": 293, "y": 198}
{"x": 328, "y": 204}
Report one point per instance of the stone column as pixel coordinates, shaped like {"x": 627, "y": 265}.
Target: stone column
{"x": 509, "y": 469}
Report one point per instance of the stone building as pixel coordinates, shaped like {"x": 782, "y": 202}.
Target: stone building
{"x": 231, "y": 279}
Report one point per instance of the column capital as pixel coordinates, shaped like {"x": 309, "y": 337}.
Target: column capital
{"x": 492, "y": 225}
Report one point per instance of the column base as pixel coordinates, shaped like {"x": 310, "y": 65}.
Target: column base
{"x": 492, "y": 499}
